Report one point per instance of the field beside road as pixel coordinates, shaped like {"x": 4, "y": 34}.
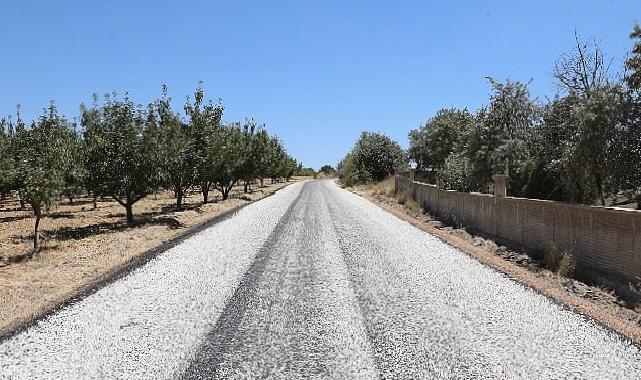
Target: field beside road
{"x": 82, "y": 246}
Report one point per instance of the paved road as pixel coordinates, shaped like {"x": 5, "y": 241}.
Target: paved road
{"x": 315, "y": 282}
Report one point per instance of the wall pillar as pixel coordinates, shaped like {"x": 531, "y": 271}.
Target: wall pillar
{"x": 500, "y": 185}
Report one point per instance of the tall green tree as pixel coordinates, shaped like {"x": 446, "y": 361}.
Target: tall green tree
{"x": 75, "y": 173}
{"x": 7, "y": 166}
{"x": 170, "y": 147}
{"x": 433, "y": 142}
{"x": 497, "y": 141}
{"x": 204, "y": 118}
{"x": 121, "y": 167}
{"x": 633, "y": 62}
{"x": 44, "y": 157}
{"x": 374, "y": 157}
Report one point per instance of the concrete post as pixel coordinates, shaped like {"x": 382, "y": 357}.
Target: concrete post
{"x": 500, "y": 185}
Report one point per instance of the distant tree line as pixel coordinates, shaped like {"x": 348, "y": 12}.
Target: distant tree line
{"x": 125, "y": 151}
{"x": 583, "y": 146}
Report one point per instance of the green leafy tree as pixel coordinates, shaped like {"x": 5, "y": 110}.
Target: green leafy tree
{"x": 633, "y": 62}
{"x": 7, "y": 165}
{"x": 628, "y": 165}
{"x": 169, "y": 141}
{"x": 204, "y": 118}
{"x": 374, "y": 157}
{"x": 228, "y": 158}
{"x": 75, "y": 173}
{"x": 327, "y": 170}
{"x": 433, "y": 142}
{"x": 120, "y": 166}
{"x": 44, "y": 157}
{"x": 497, "y": 141}
{"x": 455, "y": 174}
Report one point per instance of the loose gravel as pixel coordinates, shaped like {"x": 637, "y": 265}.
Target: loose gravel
{"x": 149, "y": 324}
{"x": 316, "y": 282}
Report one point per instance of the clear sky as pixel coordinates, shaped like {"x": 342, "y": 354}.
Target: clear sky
{"x": 316, "y": 72}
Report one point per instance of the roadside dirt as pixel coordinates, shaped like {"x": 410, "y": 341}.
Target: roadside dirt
{"x": 596, "y": 302}
{"x": 83, "y": 245}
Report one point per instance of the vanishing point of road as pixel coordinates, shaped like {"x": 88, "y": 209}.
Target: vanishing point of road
{"x": 315, "y": 282}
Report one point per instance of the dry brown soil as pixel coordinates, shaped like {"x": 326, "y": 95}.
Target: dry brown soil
{"x": 83, "y": 246}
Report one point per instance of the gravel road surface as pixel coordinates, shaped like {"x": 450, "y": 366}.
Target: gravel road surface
{"x": 315, "y": 282}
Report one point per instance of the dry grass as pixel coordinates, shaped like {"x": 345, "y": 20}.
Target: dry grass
{"x": 82, "y": 245}
{"x": 560, "y": 262}
{"x": 405, "y": 198}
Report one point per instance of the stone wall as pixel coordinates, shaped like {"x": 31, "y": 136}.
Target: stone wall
{"x": 602, "y": 239}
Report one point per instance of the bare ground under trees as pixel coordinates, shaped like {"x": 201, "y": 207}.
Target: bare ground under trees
{"x": 81, "y": 245}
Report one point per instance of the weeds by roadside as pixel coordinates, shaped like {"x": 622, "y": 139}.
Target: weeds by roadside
{"x": 560, "y": 262}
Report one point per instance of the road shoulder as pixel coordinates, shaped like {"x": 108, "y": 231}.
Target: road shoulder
{"x": 611, "y": 315}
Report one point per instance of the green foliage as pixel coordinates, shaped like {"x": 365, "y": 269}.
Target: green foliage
{"x": 633, "y": 63}
{"x": 7, "y": 167}
{"x": 374, "y": 157}
{"x": 204, "y": 118}
{"x": 44, "y": 153}
{"x": 497, "y": 142}
{"x": 119, "y": 163}
{"x": 126, "y": 152}
{"x": 309, "y": 172}
{"x": 327, "y": 170}
{"x": 433, "y": 142}
{"x": 75, "y": 173}
{"x": 454, "y": 174}
{"x": 582, "y": 146}
{"x": 169, "y": 143}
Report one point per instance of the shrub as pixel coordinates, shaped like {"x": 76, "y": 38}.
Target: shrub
{"x": 455, "y": 174}
{"x": 560, "y": 262}
{"x": 374, "y": 157}
{"x": 567, "y": 265}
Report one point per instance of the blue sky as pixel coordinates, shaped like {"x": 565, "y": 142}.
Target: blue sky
{"x": 316, "y": 72}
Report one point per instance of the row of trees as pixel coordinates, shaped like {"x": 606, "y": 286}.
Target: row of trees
{"x": 125, "y": 152}
{"x": 583, "y": 146}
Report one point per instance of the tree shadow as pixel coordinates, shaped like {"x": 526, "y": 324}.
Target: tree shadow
{"x": 78, "y": 233}
{"x": 167, "y": 209}
{"x": 8, "y": 219}
{"x": 61, "y": 215}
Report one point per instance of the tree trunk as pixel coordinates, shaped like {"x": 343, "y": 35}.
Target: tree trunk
{"x": 205, "y": 190}
{"x": 225, "y": 192}
{"x": 599, "y": 186}
{"x": 95, "y": 201}
{"x": 129, "y": 209}
{"x": 262, "y": 182}
{"x": 179, "y": 197}
{"x": 3, "y": 196}
{"x": 22, "y": 205}
{"x": 130, "y": 213}
{"x": 36, "y": 231}
{"x": 71, "y": 200}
